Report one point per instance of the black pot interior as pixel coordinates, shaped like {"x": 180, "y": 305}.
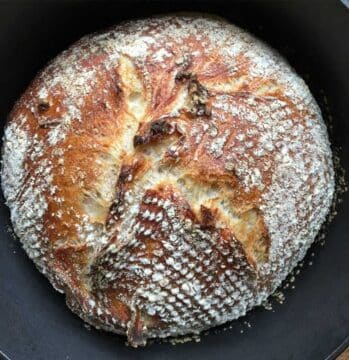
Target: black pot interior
{"x": 313, "y": 322}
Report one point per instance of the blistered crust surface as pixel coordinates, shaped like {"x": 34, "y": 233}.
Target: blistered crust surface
{"x": 166, "y": 174}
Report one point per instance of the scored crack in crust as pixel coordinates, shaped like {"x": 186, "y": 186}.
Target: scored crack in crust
{"x": 166, "y": 174}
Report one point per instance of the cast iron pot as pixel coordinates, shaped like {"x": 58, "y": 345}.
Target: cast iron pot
{"x": 313, "y": 322}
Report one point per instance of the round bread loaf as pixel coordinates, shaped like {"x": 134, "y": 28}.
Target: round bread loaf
{"x": 166, "y": 174}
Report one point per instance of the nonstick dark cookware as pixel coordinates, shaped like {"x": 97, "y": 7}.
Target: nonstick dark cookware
{"x": 313, "y": 321}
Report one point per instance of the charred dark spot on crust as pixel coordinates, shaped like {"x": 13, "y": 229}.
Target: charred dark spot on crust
{"x": 43, "y": 106}
{"x": 156, "y": 130}
{"x": 46, "y": 121}
{"x": 139, "y": 140}
{"x": 199, "y": 97}
{"x": 182, "y": 76}
{"x": 197, "y": 92}
{"x": 160, "y": 127}
{"x": 127, "y": 173}
{"x": 207, "y": 217}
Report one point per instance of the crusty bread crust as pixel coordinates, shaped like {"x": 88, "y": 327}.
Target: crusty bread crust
{"x": 166, "y": 174}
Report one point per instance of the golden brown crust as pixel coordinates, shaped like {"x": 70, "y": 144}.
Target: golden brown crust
{"x": 166, "y": 174}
